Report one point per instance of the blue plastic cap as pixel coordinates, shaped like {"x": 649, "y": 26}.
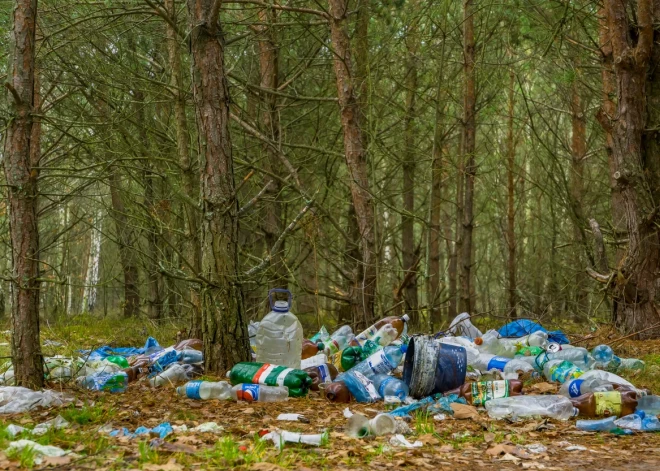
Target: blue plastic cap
{"x": 404, "y": 348}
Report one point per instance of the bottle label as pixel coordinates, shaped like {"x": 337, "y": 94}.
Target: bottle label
{"x": 383, "y": 385}
{"x": 324, "y": 373}
{"x": 271, "y": 375}
{"x": 368, "y": 385}
{"x": 378, "y": 363}
{"x": 248, "y": 393}
{"x": 192, "y": 389}
{"x": 608, "y": 403}
{"x": 332, "y": 347}
{"x": 366, "y": 335}
{"x": 483, "y": 391}
{"x": 574, "y": 390}
{"x": 497, "y": 363}
{"x": 564, "y": 371}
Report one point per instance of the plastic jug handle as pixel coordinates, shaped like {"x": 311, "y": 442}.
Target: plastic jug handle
{"x": 279, "y": 290}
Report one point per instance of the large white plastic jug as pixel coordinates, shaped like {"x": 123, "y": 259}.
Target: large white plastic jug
{"x": 280, "y": 335}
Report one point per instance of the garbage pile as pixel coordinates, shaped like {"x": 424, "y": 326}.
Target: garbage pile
{"x": 448, "y": 373}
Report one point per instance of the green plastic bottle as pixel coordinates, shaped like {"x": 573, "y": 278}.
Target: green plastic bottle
{"x": 296, "y": 380}
{"x": 348, "y": 358}
{"x": 117, "y": 360}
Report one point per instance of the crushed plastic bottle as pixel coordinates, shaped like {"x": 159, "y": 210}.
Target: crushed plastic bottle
{"x": 601, "y": 425}
{"x": 205, "y": 390}
{"x": 491, "y": 342}
{"x": 631, "y": 364}
{"x": 110, "y": 382}
{"x": 280, "y": 335}
{"x": 390, "y": 386}
{"x": 579, "y": 356}
{"x": 259, "y": 393}
{"x": 517, "y": 366}
{"x": 361, "y": 387}
{"x": 556, "y": 407}
{"x": 613, "y": 365}
{"x": 190, "y": 356}
{"x": 640, "y": 422}
{"x": 461, "y": 325}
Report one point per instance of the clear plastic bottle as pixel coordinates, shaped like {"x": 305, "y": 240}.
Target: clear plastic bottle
{"x": 491, "y": 342}
{"x": 560, "y": 371}
{"x": 336, "y": 343}
{"x": 398, "y": 323}
{"x": 649, "y": 404}
{"x": 556, "y": 407}
{"x": 390, "y": 386}
{"x": 602, "y": 353}
{"x": 579, "y": 356}
{"x": 577, "y": 387}
{"x": 516, "y": 366}
{"x": 614, "y": 364}
{"x": 607, "y": 376}
{"x": 189, "y": 356}
{"x": 205, "y": 390}
{"x": 344, "y": 330}
{"x": 172, "y": 375}
{"x": 487, "y": 361}
{"x": 381, "y": 362}
{"x": 280, "y": 335}
{"x": 632, "y": 364}
{"x": 259, "y": 393}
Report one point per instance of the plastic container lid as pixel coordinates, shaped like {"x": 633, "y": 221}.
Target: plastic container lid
{"x": 281, "y": 306}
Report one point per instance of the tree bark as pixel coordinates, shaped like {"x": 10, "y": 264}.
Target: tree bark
{"x": 189, "y": 175}
{"x": 21, "y": 162}
{"x": 270, "y": 126}
{"x": 578, "y": 152}
{"x": 356, "y": 161}
{"x": 469, "y": 147}
{"x": 636, "y": 284}
{"x": 408, "y": 175}
{"x": 224, "y": 327}
{"x": 512, "y": 288}
{"x": 126, "y": 243}
{"x": 458, "y": 233}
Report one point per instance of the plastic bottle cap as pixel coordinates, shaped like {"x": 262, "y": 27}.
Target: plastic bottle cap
{"x": 320, "y": 346}
{"x": 576, "y": 411}
{"x": 478, "y": 341}
{"x": 405, "y": 318}
{"x": 280, "y": 306}
{"x": 404, "y": 348}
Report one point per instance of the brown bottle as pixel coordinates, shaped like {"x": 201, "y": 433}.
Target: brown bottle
{"x": 309, "y": 349}
{"x": 478, "y": 393}
{"x": 321, "y": 374}
{"x": 337, "y": 392}
{"x": 606, "y": 404}
{"x": 135, "y": 372}
{"x": 190, "y": 344}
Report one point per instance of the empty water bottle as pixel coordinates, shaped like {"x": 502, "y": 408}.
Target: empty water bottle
{"x": 517, "y": 366}
{"x": 602, "y": 353}
{"x": 280, "y": 335}
{"x": 205, "y": 390}
{"x": 191, "y": 356}
{"x": 336, "y": 343}
{"x": 381, "y": 362}
{"x": 488, "y": 361}
{"x": 556, "y": 407}
{"x": 640, "y": 422}
{"x": 390, "y": 386}
{"x": 360, "y": 426}
{"x": 397, "y": 322}
{"x": 259, "y": 393}
{"x": 176, "y": 373}
{"x": 632, "y": 364}
{"x": 579, "y": 386}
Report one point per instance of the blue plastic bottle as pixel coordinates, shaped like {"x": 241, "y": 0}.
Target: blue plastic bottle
{"x": 361, "y": 387}
{"x": 390, "y": 386}
{"x": 190, "y": 356}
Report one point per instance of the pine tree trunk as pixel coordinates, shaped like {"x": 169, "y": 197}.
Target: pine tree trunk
{"x": 512, "y": 288}
{"x": 21, "y": 156}
{"x": 270, "y": 126}
{"x": 469, "y": 147}
{"x": 635, "y": 170}
{"x": 189, "y": 174}
{"x": 224, "y": 327}
{"x": 126, "y": 244}
{"x": 356, "y": 161}
{"x": 578, "y": 151}
{"x": 408, "y": 183}
{"x": 458, "y": 233}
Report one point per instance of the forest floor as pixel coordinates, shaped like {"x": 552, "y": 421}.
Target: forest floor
{"x": 450, "y": 443}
